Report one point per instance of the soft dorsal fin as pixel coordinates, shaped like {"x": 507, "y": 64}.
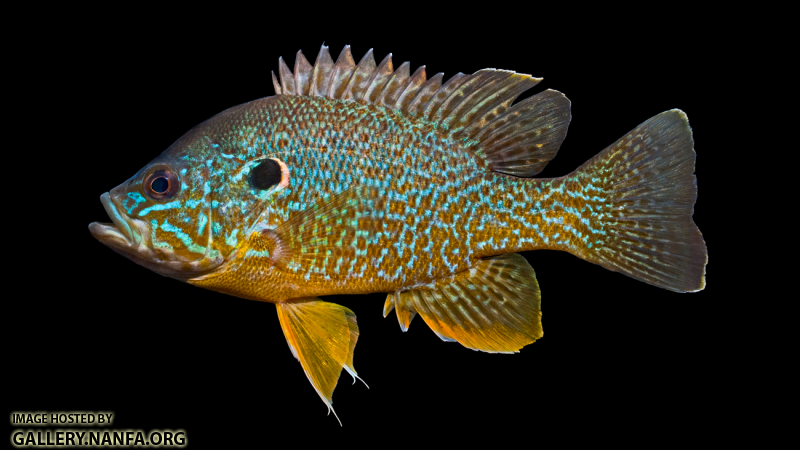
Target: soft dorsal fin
{"x": 494, "y": 307}
{"x": 517, "y": 140}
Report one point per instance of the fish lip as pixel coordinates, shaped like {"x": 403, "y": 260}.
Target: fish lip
{"x": 120, "y": 227}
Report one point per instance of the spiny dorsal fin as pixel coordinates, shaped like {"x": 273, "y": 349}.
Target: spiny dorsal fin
{"x": 517, "y": 140}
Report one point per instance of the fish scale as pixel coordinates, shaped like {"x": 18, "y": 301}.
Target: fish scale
{"x": 358, "y": 178}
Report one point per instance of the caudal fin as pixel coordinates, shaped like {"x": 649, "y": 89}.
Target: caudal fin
{"x": 647, "y": 190}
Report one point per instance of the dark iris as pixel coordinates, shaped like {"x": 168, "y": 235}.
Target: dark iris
{"x": 266, "y": 174}
{"x": 160, "y": 185}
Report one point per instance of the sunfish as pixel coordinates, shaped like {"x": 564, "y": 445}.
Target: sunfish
{"x": 363, "y": 178}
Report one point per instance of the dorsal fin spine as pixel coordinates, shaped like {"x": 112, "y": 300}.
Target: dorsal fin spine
{"x": 360, "y": 77}
{"x": 287, "y": 78}
{"x": 341, "y": 73}
{"x": 396, "y": 80}
{"x": 276, "y": 85}
{"x": 378, "y": 79}
{"x": 321, "y": 74}
{"x": 425, "y": 93}
{"x": 302, "y": 72}
{"x": 410, "y": 90}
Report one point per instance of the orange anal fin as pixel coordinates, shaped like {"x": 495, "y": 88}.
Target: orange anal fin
{"x": 494, "y": 307}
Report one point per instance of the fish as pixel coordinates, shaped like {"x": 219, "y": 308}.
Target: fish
{"x": 358, "y": 178}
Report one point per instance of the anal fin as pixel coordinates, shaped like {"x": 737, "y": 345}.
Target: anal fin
{"x": 322, "y": 336}
{"x": 494, "y": 307}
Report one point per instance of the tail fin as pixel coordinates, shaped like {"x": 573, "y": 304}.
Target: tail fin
{"x": 648, "y": 189}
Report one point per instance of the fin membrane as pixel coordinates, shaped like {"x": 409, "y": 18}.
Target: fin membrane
{"x": 476, "y": 109}
{"x": 648, "y": 189}
{"x": 322, "y": 336}
{"x": 494, "y": 307}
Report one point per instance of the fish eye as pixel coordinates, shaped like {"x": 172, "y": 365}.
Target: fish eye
{"x": 161, "y": 185}
{"x": 266, "y": 174}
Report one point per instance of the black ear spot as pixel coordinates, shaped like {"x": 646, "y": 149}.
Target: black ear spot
{"x": 265, "y": 175}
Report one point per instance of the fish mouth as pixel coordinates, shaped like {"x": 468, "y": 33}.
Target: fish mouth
{"x": 131, "y": 238}
{"x": 119, "y": 232}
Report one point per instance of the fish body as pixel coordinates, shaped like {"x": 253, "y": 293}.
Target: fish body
{"x": 361, "y": 178}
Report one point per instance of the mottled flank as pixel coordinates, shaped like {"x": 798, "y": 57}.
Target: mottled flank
{"x": 360, "y": 178}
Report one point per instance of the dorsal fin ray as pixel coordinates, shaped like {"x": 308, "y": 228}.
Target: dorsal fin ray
{"x": 475, "y": 109}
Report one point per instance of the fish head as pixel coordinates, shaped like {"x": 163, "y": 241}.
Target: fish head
{"x": 186, "y": 211}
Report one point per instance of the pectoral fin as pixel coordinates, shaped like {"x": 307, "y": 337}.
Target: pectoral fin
{"x": 322, "y": 336}
{"x": 494, "y": 307}
{"x": 336, "y": 229}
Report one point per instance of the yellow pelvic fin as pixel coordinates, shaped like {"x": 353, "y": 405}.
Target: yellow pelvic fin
{"x": 322, "y": 336}
{"x": 494, "y": 307}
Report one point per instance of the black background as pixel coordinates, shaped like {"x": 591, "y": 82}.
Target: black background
{"x": 93, "y": 331}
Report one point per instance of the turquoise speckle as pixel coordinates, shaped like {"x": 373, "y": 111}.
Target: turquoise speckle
{"x": 185, "y": 238}
{"x": 160, "y": 207}
{"x": 137, "y": 198}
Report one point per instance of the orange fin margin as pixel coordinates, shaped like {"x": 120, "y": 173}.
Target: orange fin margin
{"x": 494, "y": 307}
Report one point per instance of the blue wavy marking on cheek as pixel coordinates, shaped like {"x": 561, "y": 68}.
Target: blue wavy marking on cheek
{"x": 154, "y": 238}
{"x": 170, "y": 205}
{"x": 185, "y": 238}
{"x": 136, "y": 197}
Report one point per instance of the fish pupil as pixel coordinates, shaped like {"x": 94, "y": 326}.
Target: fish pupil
{"x": 266, "y": 174}
{"x": 160, "y": 185}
